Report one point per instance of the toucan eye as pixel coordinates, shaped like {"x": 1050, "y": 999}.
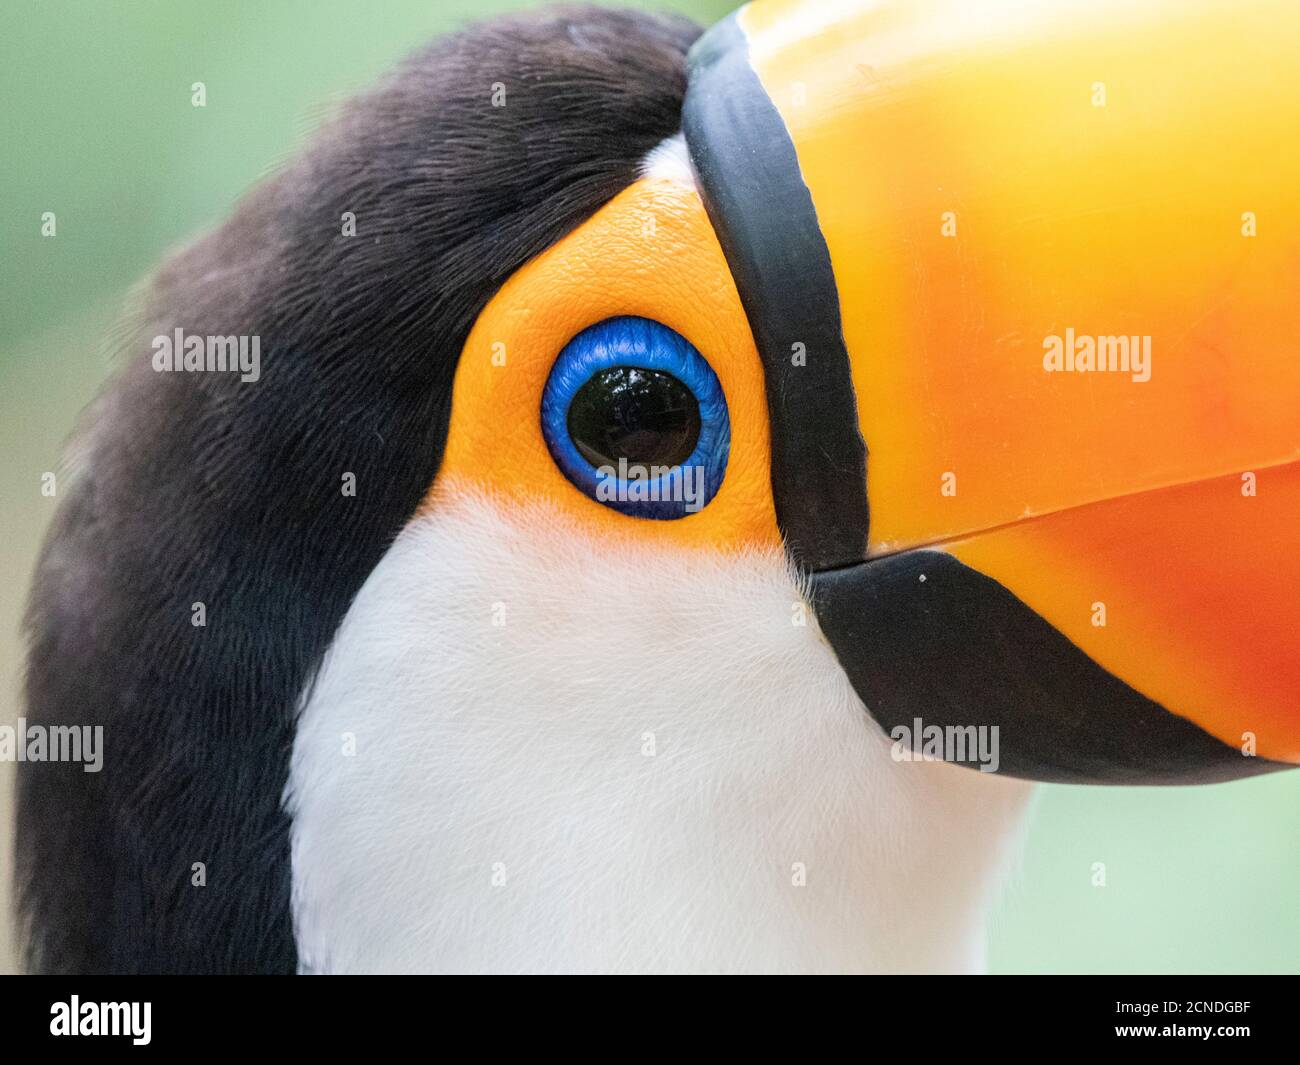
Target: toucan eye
{"x": 636, "y": 419}
{"x": 634, "y": 413}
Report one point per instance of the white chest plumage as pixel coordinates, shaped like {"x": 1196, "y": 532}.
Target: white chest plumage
{"x": 532, "y": 751}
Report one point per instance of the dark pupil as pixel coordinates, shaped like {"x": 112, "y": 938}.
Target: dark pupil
{"x": 645, "y": 416}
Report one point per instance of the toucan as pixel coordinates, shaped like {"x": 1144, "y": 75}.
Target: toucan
{"x": 691, "y": 488}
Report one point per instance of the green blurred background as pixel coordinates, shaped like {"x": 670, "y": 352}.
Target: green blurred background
{"x": 96, "y": 125}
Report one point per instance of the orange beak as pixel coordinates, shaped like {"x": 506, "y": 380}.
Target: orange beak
{"x": 1024, "y": 280}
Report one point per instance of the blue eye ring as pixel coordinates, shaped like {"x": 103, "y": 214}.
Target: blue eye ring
{"x": 630, "y": 342}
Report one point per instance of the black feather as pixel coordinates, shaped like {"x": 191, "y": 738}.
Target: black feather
{"x": 199, "y": 488}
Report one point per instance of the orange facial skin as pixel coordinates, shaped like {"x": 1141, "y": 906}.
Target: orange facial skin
{"x": 649, "y": 252}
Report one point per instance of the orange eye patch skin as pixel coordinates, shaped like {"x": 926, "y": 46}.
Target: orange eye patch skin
{"x": 649, "y": 252}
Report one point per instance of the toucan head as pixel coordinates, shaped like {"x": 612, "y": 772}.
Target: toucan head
{"x": 659, "y": 434}
{"x": 962, "y": 311}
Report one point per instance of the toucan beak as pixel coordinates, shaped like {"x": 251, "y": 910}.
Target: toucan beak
{"x": 1024, "y": 280}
